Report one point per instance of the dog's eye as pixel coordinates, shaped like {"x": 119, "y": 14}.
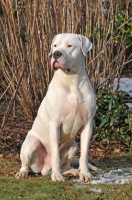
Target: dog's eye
{"x": 69, "y": 45}
{"x": 54, "y": 45}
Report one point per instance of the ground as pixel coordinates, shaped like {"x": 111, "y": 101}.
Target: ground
{"x": 103, "y": 155}
{"x": 36, "y": 187}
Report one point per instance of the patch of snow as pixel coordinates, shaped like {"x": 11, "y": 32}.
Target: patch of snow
{"x": 119, "y": 176}
{"x": 125, "y": 84}
{"x": 129, "y": 104}
{"x": 96, "y": 190}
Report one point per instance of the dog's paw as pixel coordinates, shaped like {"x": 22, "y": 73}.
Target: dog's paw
{"x": 22, "y": 174}
{"x": 85, "y": 177}
{"x": 56, "y": 176}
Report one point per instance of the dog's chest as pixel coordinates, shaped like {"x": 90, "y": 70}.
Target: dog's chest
{"x": 73, "y": 115}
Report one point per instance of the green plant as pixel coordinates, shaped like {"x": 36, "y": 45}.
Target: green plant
{"x": 124, "y": 28}
{"x": 97, "y": 31}
{"x": 113, "y": 119}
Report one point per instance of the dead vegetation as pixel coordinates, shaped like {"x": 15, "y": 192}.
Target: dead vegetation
{"x": 26, "y": 30}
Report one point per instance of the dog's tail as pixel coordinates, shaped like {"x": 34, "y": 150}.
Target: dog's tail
{"x": 75, "y": 163}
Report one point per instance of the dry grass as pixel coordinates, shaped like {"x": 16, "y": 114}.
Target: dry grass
{"x": 27, "y": 29}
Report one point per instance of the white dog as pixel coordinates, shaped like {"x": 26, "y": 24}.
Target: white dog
{"x": 67, "y": 109}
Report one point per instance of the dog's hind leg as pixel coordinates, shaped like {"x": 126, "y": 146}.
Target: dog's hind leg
{"x": 67, "y": 155}
{"x": 30, "y": 157}
{"x": 70, "y": 164}
{"x": 75, "y": 163}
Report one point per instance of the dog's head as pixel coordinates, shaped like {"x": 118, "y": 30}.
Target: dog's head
{"x": 68, "y": 51}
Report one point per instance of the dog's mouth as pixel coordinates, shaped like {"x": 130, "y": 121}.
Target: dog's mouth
{"x": 59, "y": 67}
{"x": 66, "y": 70}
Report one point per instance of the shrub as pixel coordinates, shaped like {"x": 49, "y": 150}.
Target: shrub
{"x": 124, "y": 30}
{"x": 27, "y": 28}
{"x": 113, "y": 119}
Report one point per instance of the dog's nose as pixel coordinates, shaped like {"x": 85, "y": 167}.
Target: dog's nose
{"x": 57, "y": 54}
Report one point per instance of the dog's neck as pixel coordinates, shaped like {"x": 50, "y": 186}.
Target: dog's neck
{"x": 71, "y": 80}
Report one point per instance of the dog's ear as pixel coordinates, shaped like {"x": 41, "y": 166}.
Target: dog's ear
{"x": 86, "y": 44}
{"x": 50, "y": 53}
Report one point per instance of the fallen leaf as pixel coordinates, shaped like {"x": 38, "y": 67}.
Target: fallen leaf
{"x": 64, "y": 187}
{"x": 10, "y": 155}
{"x": 2, "y": 173}
{"x": 10, "y": 173}
{"x": 9, "y": 137}
{"x": 2, "y": 165}
{"x": 22, "y": 189}
{"x": 16, "y": 156}
{"x": 1, "y": 155}
{"x": 73, "y": 195}
{"x": 99, "y": 198}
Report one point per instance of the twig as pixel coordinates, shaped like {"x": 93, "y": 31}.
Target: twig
{"x": 5, "y": 90}
{"x": 12, "y": 100}
{"x": 113, "y": 74}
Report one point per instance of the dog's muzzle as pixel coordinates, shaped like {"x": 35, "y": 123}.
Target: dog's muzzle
{"x": 56, "y": 55}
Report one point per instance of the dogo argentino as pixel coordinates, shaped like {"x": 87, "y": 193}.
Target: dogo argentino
{"x": 67, "y": 110}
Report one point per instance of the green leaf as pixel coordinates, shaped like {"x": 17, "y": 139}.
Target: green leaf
{"x": 110, "y": 103}
{"x": 115, "y": 101}
{"x": 102, "y": 123}
{"x": 112, "y": 121}
{"x": 107, "y": 118}
{"x": 14, "y": 12}
{"x": 106, "y": 139}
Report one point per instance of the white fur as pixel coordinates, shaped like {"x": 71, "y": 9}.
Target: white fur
{"x": 67, "y": 109}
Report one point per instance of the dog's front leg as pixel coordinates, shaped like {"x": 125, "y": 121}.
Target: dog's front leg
{"x": 54, "y": 132}
{"x": 84, "y": 174}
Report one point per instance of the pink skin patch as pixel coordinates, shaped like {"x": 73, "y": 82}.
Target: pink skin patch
{"x": 58, "y": 63}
